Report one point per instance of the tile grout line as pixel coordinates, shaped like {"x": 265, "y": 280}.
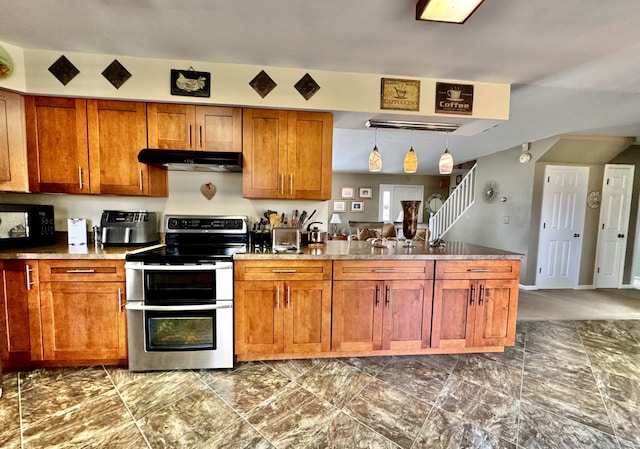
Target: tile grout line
{"x": 524, "y": 358}
{"x": 135, "y": 421}
{"x": 600, "y": 392}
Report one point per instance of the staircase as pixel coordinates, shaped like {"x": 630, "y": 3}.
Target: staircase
{"x": 456, "y": 205}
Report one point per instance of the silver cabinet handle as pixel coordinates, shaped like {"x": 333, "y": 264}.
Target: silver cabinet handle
{"x": 140, "y": 180}
{"x": 482, "y": 294}
{"x": 120, "y": 302}
{"x": 377, "y": 295}
{"x": 200, "y": 136}
{"x": 282, "y": 183}
{"x": 28, "y": 271}
{"x": 83, "y": 270}
{"x": 291, "y": 183}
{"x": 472, "y": 295}
{"x": 80, "y": 183}
{"x": 384, "y": 270}
{"x": 189, "y": 138}
{"x": 283, "y": 271}
{"x": 387, "y": 299}
{"x": 278, "y": 297}
{"x": 288, "y": 296}
{"x": 479, "y": 270}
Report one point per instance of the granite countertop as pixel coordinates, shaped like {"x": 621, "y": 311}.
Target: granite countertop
{"x": 65, "y": 251}
{"x": 340, "y": 249}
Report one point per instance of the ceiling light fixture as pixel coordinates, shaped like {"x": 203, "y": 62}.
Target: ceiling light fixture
{"x": 416, "y": 126}
{"x": 451, "y": 11}
{"x": 445, "y": 165}
{"x": 375, "y": 158}
{"x": 411, "y": 159}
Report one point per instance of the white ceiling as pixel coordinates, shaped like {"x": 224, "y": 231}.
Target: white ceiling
{"x": 574, "y": 65}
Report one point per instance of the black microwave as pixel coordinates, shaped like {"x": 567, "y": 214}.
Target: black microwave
{"x": 23, "y": 225}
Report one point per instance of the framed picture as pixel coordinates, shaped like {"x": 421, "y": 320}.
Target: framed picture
{"x": 347, "y": 192}
{"x": 357, "y": 206}
{"x": 339, "y": 206}
{"x": 189, "y": 83}
{"x": 365, "y": 192}
{"x": 400, "y": 94}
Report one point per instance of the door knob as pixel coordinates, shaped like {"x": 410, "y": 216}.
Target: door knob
{"x": 576, "y": 235}
{"x": 620, "y": 236}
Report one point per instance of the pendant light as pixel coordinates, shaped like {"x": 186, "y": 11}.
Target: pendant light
{"x": 411, "y": 159}
{"x": 375, "y": 158}
{"x": 446, "y": 160}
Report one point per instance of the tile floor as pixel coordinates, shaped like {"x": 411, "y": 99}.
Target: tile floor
{"x": 566, "y": 384}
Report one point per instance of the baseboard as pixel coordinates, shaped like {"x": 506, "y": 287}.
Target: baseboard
{"x": 585, "y": 287}
{"x": 636, "y": 282}
{"x": 527, "y": 287}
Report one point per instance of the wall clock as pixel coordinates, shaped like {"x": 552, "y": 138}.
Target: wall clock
{"x": 593, "y": 200}
{"x": 490, "y": 192}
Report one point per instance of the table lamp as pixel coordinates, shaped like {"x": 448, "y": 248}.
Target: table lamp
{"x": 335, "y": 220}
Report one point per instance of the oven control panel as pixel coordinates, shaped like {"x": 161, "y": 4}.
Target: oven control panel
{"x": 206, "y": 224}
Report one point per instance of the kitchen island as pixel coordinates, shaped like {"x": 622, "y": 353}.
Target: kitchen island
{"x": 350, "y": 298}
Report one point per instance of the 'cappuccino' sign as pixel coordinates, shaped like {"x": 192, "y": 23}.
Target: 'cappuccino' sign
{"x": 454, "y": 98}
{"x": 398, "y": 94}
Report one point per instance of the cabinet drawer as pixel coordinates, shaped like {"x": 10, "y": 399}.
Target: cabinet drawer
{"x": 81, "y": 271}
{"x": 272, "y": 270}
{"x": 478, "y": 269}
{"x": 351, "y": 270}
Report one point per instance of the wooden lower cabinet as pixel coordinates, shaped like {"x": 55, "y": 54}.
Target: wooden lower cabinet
{"x": 83, "y": 315}
{"x": 21, "y": 337}
{"x": 275, "y": 317}
{"x": 282, "y": 309}
{"x": 478, "y": 311}
{"x": 371, "y": 316}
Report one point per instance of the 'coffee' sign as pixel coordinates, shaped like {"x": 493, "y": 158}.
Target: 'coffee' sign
{"x": 454, "y": 98}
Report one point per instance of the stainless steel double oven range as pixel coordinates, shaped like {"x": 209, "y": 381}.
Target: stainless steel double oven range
{"x": 180, "y": 295}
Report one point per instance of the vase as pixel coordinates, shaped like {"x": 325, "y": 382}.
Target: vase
{"x": 410, "y": 220}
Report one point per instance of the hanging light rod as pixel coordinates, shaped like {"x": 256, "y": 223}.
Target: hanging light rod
{"x": 415, "y": 126}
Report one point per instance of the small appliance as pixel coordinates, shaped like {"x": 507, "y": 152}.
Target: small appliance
{"x": 128, "y": 228}
{"x": 23, "y": 225}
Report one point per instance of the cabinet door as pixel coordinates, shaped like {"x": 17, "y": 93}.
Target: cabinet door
{"x": 495, "y": 313}
{"x": 407, "y": 315}
{"x": 259, "y": 307}
{"x": 21, "y": 337}
{"x": 57, "y": 144}
{"x": 83, "y": 321}
{"x": 13, "y": 149}
{"x": 117, "y": 132}
{"x": 309, "y": 155}
{"x": 357, "y": 316}
{"x": 452, "y": 320}
{"x": 171, "y": 126}
{"x": 307, "y": 316}
{"x": 218, "y": 129}
{"x": 264, "y": 150}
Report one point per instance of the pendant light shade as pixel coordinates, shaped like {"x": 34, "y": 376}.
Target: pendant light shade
{"x": 446, "y": 160}
{"x": 375, "y": 158}
{"x": 411, "y": 159}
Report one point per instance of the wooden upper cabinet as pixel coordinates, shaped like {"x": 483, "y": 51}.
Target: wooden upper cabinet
{"x": 13, "y": 148}
{"x": 309, "y": 153}
{"x": 117, "y": 132}
{"x": 188, "y": 127}
{"x": 57, "y": 144}
{"x": 287, "y": 154}
{"x": 89, "y": 146}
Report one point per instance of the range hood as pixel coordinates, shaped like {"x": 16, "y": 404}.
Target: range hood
{"x": 186, "y": 160}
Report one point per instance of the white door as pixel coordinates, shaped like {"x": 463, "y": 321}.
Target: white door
{"x": 613, "y": 226}
{"x": 561, "y": 226}
{"x": 390, "y": 196}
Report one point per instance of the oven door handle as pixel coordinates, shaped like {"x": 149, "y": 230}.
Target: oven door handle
{"x": 140, "y": 306}
{"x": 205, "y": 267}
